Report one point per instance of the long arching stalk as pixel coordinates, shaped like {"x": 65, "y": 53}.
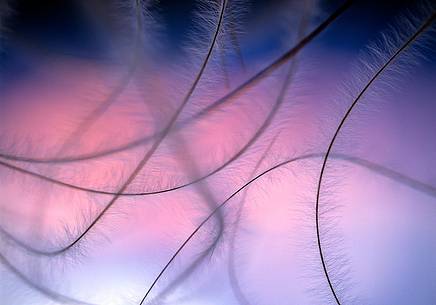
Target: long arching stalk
{"x": 335, "y": 135}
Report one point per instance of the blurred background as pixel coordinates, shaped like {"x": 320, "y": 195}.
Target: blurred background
{"x": 125, "y": 124}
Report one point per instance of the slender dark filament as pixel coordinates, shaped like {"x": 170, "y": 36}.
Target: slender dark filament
{"x": 344, "y": 118}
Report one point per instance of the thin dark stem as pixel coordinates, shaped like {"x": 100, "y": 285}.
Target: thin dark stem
{"x": 338, "y": 129}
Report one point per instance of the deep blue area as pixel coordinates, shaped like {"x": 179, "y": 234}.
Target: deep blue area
{"x": 63, "y": 27}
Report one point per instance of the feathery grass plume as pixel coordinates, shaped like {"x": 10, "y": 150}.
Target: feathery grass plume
{"x": 218, "y": 232}
{"x": 390, "y": 57}
{"x": 74, "y": 243}
{"x": 251, "y": 81}
{"x": 257, "y": 77}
